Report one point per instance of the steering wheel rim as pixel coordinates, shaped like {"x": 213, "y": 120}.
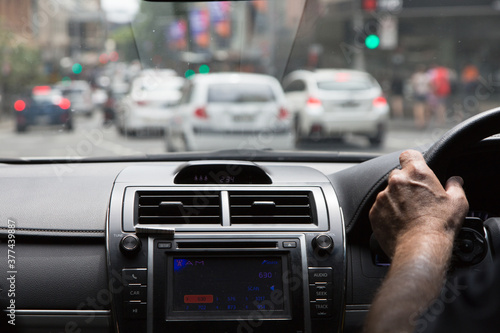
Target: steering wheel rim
{"x": 465, "y": 134}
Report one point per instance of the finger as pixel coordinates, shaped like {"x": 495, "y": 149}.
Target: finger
{"x": 454, "y": 187}
{"x": 410, "y": 156}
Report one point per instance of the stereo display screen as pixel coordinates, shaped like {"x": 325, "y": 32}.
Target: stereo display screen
{"x": 228, "y": 285}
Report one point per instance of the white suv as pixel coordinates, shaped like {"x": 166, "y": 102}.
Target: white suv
{"x": 333, "y": 102}
{"x": 231, "y": 111}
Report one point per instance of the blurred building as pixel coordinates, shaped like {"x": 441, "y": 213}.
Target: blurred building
{"x": 58, "y": 29}
{"x": 11, "y": 14}
{"x": 451, "y": 32}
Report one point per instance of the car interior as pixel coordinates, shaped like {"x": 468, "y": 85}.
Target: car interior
{"x": 234, "y": 240}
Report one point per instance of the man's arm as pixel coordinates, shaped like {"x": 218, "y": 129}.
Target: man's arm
{"x": 415, "y": 221}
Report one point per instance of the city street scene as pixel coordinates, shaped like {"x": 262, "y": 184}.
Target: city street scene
{"x": 112, "y": 78}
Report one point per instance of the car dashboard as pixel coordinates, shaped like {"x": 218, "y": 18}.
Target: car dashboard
{"x": 213, "y": 245}
{"x": 125, "y": 247}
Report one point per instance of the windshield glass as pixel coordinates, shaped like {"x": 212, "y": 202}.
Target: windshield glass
{"x": 135, "y": 77}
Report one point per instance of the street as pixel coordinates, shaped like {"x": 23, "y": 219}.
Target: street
{"x": 91, "y": 138}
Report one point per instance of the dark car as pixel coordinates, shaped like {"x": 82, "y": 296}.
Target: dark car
{"x": 43, "y": 105}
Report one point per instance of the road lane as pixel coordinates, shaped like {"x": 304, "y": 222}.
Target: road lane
{"x": 91, "y": 138}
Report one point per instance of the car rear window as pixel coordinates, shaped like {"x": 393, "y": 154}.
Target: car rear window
{"x": 345, "y": 84}
{"x": 157, "y": 86}
{"x": 240, "y": 93}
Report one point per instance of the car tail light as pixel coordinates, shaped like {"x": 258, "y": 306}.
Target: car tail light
{"x": 64, "y": 103}
{"x": 379, "y": 101}
{"x": 313, "y": 101}
{"x": 41, "y": 90}
{"x": 201, "y": 113}
{"x": 19, "y": 105}
{"x": 283, "y": 113}
{"x": 142, "y": 103}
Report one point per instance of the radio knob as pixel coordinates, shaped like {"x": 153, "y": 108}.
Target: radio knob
{"x": 323, "y": 242}
{"x": 130, "y": 244}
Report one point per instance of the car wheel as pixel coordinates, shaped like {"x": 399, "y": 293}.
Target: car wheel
{"x": 120, "y": 130}
{"x": 69, "y": 126}
{"x": 379, "y": 137}
{"x": 298, "y": 135}
{"x": 20, "y": 128}
{"x": 176, "y": 143}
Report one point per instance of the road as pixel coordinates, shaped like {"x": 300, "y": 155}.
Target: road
{"x": 92, "y": 139}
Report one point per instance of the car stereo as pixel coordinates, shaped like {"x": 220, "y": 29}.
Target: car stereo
{"x": 229, "y": 283}
{"x": 225, "y": 257}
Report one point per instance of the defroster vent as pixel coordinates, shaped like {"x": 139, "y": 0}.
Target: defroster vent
{"x": 271, "y": 207}
{"x": 178, "y": 207}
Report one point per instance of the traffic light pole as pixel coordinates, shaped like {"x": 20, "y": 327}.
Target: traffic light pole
{"x": 358, "y": 25}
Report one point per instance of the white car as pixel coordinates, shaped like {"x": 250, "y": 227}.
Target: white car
{"x": 231, "y": 111}
{"x": 335, "y": 102}
{"x": 149, "y": 104}
{"x": 79, "y": 93}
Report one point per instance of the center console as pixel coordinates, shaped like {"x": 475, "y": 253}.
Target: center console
{"x": 225, "y": 246}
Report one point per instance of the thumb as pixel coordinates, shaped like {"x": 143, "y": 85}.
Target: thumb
{"x": 454, "y": 188}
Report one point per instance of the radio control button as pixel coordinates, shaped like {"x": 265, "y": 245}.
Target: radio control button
{"x": 323, "y": 242}
{"x": 321, "y": 291}
{"x": 164, "y": 245}
{"x": 135, "y": 293}
{"x": 323, "y": 274}
{"x": 135, "y": 310}
{"x": 130, "y": 244}
{"x": 134, "y": 276}
{"x": 321, "y": 309}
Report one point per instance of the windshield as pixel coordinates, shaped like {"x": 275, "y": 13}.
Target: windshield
{"x": 136, "y": 77}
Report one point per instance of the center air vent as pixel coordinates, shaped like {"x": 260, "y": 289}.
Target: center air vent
{"x": 271, "y": 207}
{"x": 178, "y": 207}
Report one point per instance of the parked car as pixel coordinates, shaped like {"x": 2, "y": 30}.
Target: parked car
{"x": 332, "y": 103}
{"x": 43, "y": 105}
{"x": 149, "y": 104}
{"x": 79, "y": 93}
{"x": 231, "y": 110}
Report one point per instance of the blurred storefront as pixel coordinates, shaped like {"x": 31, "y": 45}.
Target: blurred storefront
{"x": 451, "y": 33}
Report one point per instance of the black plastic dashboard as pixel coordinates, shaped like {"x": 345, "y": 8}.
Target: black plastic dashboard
{"x": 72, "y": 271}
{"x": 128, "y": 246}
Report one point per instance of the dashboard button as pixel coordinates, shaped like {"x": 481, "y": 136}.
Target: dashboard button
{"x": 321, "y": 291}
{"x": 323, "y": 274}
{"x": 135, "y": 310}
{"x": 289, "y": 244}
{"x": 323, "y": 242}
{"x": 135, "y": 293}
{"x": 130, "y": 244}
{"x": 321, "y": 309}
{"x": 164, "y": 245}
{"x": 135, "y": 275}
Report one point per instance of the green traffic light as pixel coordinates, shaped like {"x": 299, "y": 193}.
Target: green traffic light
{"x": 189, "y": 74}
{"x": 372, "y": 41}
{"x": 77, "y": 68}
{"x": 204, "y": 69}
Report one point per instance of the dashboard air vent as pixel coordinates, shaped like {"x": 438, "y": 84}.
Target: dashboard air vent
{"x": 271, "y": 207}
{"x": 178, "y": 207}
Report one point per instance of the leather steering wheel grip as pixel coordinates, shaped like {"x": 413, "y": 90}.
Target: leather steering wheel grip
{"x": 467, "y": 133}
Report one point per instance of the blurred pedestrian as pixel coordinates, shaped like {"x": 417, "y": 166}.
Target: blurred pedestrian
{"x": 469, "y": 78}
{"x": 397, "y": 88}
{"x": 109, "y": 108}
{"x": 439, "y": 78}
{"x": 420, "y": 86}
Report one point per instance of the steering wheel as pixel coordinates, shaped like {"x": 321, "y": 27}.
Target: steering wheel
{"x": 469, "y": 132}
{"x": 465, "y": 134}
